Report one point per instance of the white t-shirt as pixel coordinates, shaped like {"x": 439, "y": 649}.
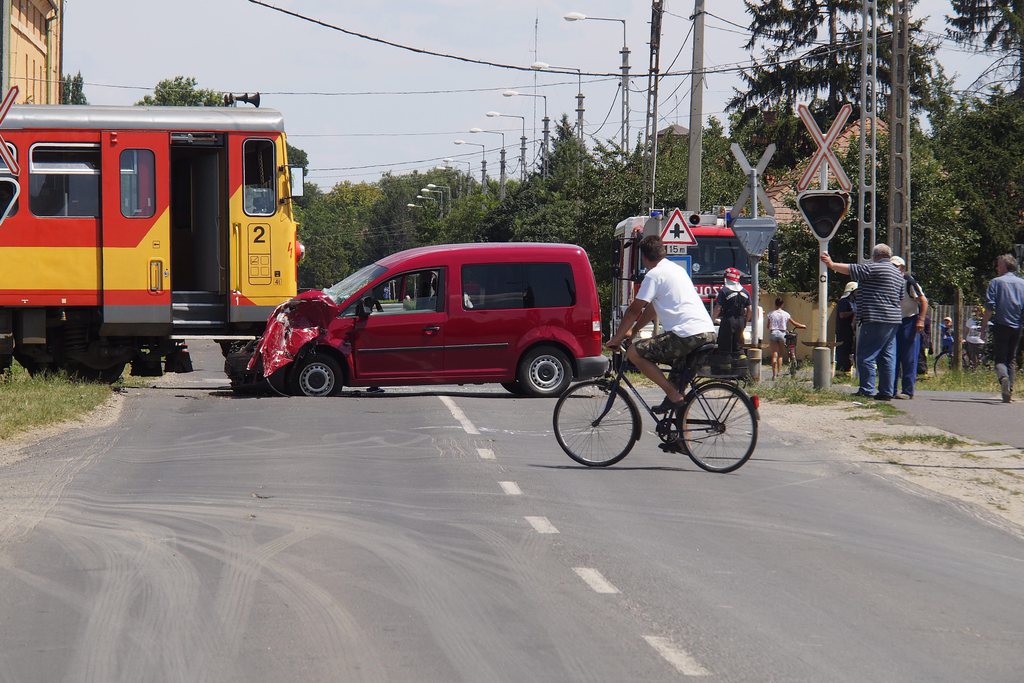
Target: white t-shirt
{"x": 974, "y": 331}
{"x": 778, "y": 320}
{"x": 669, "y": 289}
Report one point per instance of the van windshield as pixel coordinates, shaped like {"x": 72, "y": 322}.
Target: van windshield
{"x": 341, "y": 291}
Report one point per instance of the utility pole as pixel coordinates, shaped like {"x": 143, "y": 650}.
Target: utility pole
{"x": 501, "y": 186}
{"x": 652, "y": 99}
{"x": 483, "y": 177}
{"x": 625, "y": 91}
{"x": 866, "y": 195}
{"x": 693, "y": 170}
{"x": 899, "y": 133}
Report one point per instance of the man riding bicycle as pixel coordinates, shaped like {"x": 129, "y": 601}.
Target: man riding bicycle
{"x": 668, "y": 293}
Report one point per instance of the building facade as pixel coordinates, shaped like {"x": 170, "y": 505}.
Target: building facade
{"x": 31, "y": 37}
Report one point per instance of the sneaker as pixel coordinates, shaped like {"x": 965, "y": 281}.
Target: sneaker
{"x": 909, "y": 397}
{"x": 883, "y": 397}
{"x": 861, "y": 392}
{"x": 667, "y": 405}
{"x": 1004, "y": 386}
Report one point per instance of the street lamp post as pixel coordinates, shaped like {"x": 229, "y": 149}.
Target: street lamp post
{"x": 429, "y": 192}
{"x": 522, "y": 140}
{"x": 547, "y": 154}
{"x": 541, "y": 66}
{"x": 469, "y": 170}
{"x": 579, "y": 16}
{"x": 442, "y": 189}
{"x": 483, "y": 163}
{"x": 501, "y": 182}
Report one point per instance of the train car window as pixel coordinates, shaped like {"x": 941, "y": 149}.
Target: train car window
{"x": 6, "y": 173}
{"x": 259, "y": 195}
{"x": 64, "y": 180}
{"x": 138, "y": 183}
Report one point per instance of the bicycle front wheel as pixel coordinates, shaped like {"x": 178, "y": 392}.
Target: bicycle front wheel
{"x": 595, "y": 424}
{"x": 943, "y": 363}
{"x": 718, "y": 427}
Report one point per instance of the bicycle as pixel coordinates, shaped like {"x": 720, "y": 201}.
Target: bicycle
{"x": 597, "y": 422}
{"x": 944, "y": 361}
{"x": 794, "y": 363}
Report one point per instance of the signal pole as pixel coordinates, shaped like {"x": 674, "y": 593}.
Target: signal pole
{"x": 696, "y": 111}
{"x": 652, "y": 100}
{"x": 899, "y": 133}
{"x": 866, "y": 197}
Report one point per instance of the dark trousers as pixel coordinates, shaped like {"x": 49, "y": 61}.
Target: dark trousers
{"x": 730, "y": 335}
{"x": 844, "y": 353}
{"x": 908, "y": 344}
{"x": 1004, "y": 350}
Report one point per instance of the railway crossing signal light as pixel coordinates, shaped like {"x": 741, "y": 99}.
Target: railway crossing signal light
{"x": 823, "y": 210}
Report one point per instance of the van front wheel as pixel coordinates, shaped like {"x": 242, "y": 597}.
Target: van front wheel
{"x": 315, "y": 375}
{"x": 544, "y": 371}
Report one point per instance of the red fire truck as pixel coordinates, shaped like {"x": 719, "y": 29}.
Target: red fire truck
{"x": 717, "y": 249}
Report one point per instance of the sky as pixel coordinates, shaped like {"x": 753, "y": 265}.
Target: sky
{"x": 360, "y": 108}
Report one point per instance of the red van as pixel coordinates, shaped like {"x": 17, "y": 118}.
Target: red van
{"x": 525, "y": 315}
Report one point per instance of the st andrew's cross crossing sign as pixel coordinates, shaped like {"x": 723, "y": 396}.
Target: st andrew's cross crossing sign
{"x": 9, "y": 186}
{"x": 824, "y": 153}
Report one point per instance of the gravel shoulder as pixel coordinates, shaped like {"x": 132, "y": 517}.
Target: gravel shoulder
{"x": 987, "y": 479}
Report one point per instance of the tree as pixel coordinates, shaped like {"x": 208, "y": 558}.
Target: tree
{"x": 812, "y": 50}
{"x": 181, "y": 91}
{"x": 998, "y": 25}
{"x": 72, "y": 90}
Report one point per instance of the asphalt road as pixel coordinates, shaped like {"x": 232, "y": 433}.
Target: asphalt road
{"x": 441, "y": 535}
{"x": 979, "y": 416}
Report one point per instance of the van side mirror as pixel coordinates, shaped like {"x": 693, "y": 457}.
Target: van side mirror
{"x": 296, "y": 177}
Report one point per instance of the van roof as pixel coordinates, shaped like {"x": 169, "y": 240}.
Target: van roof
{"x": 482, "y": 250}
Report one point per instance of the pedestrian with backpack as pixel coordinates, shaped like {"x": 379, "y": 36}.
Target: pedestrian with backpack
{"x": 733, "y": 310}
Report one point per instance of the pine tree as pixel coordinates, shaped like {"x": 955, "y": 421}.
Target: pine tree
{"x": 72, "y": 90}
{"x": 998, "y": 25}
{"x": 812, "y": 52}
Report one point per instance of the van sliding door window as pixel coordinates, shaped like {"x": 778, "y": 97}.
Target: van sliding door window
{"x": 259, "y": 194}
{"x": 138, "y": 183}
{"x": 494, "y": 286}
{"x": 64, "y": 180}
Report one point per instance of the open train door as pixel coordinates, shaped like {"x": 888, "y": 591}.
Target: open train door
{"x": 135, "y": 226}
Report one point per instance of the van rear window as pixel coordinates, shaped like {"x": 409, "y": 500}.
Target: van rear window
{"x": 492, "y": 286}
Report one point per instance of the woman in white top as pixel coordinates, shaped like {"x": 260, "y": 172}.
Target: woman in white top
{"x": 779, "y": 321}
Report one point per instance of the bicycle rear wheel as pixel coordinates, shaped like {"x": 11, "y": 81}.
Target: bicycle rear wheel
{"x": 718, "y": 427}
{"x": 943, "y": 363}
{"x": 596, "y": 425}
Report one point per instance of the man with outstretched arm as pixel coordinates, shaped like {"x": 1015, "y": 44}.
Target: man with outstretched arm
{"x": 668, "y": 293}
{"x": 879, "y": 292}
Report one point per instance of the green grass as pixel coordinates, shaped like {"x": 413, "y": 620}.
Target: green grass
{"x": 963, "y": 380}
{"x": 939, "y": 440}
{"x": 28, "y": 402}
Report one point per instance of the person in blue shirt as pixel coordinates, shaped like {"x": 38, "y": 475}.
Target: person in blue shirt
{"x": 1004, "y": 306}
{"x": 946, "y": 332}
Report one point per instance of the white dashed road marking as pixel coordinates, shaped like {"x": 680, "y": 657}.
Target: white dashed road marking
{"x": 511, "y": 488}
{"x": 541, "y": 525}
{"x": 459, "y": 415}
{"x": 485, "y": 453}
{"x": 677, "y": 657}
{"x": 594, "y": 579}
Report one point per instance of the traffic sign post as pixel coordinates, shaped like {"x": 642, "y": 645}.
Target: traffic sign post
{"x": 754, "y": 235}
{"x": 823, "y": 210}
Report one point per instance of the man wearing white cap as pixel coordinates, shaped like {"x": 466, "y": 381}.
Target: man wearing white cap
{"x": 914, "y": 308}
{"x": 733, "y": 310}
{"x": 846, "y": 311}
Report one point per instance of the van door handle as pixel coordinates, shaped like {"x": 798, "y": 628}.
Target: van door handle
{"x": 431, "y": 330}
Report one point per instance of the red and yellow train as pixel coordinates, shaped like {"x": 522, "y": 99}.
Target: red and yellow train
{"x": 130, "y": 229}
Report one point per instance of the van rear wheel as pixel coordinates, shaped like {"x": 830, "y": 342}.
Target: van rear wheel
{"x": 544, "y": 371}
{"x": 316, "y": 375}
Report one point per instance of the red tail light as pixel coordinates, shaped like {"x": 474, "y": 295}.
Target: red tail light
{"x": 596, "y": 328}
{"x": 757, "y": 401}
